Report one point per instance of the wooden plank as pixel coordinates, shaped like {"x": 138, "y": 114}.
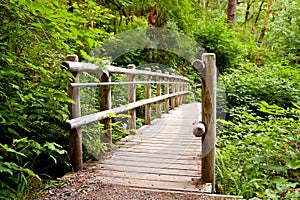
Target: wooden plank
{"x": 155, "y": 155}
{"x": 144, "y": 152}
{"x": 160, "y": 168}
{"x": 171, "y": 185}
{"x": 166, "y": 139}
{"x": 164, "y": 156}
{"x": 175, "y": 145}
{"x": 182, "y": 172}
{"x": 181, "y": 161}
{"x": 157, "y": 165}
{"x": 143, "y": 176}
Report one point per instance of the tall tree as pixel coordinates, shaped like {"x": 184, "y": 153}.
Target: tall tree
{"x": 257, "y": 17}
{"x": 231, "y": 11}
{"x": 265, "y": 22}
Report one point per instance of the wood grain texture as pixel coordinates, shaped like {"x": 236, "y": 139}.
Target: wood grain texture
{"x": 164, "y": 156}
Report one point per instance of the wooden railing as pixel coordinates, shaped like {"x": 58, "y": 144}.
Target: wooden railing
{"x": 174, "y": 94}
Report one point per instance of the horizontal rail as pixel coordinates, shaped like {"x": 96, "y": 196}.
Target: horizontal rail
{"x": 88, "y": 119}
{"x": 119, "y": 83}
{"x": 88, "y": 67}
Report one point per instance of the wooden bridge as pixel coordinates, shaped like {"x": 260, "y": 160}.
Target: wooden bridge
{"x": 164, "y": 154}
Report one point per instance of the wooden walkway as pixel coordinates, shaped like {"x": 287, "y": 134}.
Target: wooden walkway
{"x": 162, "y": 156}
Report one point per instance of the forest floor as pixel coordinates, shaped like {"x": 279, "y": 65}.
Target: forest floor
{"x": 81, "y": 187}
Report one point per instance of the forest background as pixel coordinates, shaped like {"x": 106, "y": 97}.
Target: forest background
{"x": 256, "y": 43}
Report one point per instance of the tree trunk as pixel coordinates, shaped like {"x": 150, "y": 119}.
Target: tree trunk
{"x": 257, "y": 17}
{"x": 247, "y": 13}
{"x": 265, "y": 22}
{"x": 231, "y": 11}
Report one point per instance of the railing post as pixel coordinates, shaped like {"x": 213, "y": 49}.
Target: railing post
{"x": 209, "y": 79}
{"x": 158, "y": 93}
{"x": 177, "y": 90}
{"x": 105, "y": 104}
{"x": 185, "y": 88}
{"x": 148, "y": 96}
{"x": 131, "y": 98}
{"x": 167, "y": 92}
{"x": 173, "y": 89}
{"x": 181, "y": 89}
{"x": 75, "y": 111}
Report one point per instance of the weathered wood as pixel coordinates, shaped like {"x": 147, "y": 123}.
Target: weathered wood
{"x": 177, "y": 89}
{"x": 181, "y": 86}
{"x": 148, "y": 96}
{"x": 88, "y": 67}
{"x": 87, "y": 119}
{"x": 118, "y": 70}
{"x": 209, "y": 77}
{"x": 198, "y": 65}
{"x": 76, "y": 121}
{"x": 166, "y": 107}
{"x": 131, "y": 99}
{"x": 166, "y": 165}
{"x": 117, "y": 83}
{"x": 185, "y": 88}
{"x": 75, "y": 111}
{"x": 173, "y": 90}
{"x": 199, "y": 127}
{"x": 158, "y": 93}
{"x": 105, "y": 104}
{"x": 180, "y": 89}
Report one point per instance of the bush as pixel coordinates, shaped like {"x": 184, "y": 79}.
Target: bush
{"x": 18, "y": 163}
{"x": 258, "y": 150}
{"x": 231, "y": 46}
{"x": 274, "y": 83}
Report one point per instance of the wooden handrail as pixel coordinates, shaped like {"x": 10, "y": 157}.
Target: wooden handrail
{"x": 179, "y": 90}
{"x": 88, "y": 67}
{"x": 88, "y": 119}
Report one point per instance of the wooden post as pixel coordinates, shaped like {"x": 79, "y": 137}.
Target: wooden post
{"x": 177, "y": 89}
{"x": 158, "y": 93}
{"x": 75, "y": 111}
{"x": 148, "y": 96}
{"x": 173, "y": 90}
{"x": 181, "y": 89}
{"x": 105, "y": 104}
{"x": 167, "y": 92}
{"x": 209, "y": 79}
{"x": 186, "y": 88}
{"x": 131, "y": 98}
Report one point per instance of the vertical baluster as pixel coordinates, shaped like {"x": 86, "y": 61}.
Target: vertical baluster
{"x": 131, "y": 99}
{"x": 158, "y": 93}
{"x": 167, "y": 92}
{"x": 148, "y": 96}
{"x": 75, "y": 111}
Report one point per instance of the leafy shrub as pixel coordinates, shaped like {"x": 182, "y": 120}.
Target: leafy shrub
{"x": 18, "y": 163}
{"x": 275, "y": 83}
{"x": 259, "y": 157}
{"x": 258, "y": 152}
{"x": 35, "y": 37}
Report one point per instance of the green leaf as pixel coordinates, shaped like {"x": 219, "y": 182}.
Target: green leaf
{"x": 293, "y": 163}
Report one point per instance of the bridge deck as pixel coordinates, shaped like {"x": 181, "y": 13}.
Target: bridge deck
{"x": 163, "y": 156}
